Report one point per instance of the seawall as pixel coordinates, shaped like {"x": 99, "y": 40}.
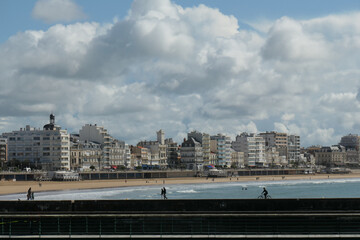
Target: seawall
{"x": 173, "y": 219}
{"x": 103, "y": 175}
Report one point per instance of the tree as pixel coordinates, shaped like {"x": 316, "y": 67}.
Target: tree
{"x": 92, "y": 167}
{"x": 233, "y": 165}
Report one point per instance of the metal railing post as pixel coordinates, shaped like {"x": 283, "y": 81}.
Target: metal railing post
{"x": 70, "y": 227}
{"x": 40, "y": 230}
{"x": 58, "y": 225}
{"x": 100, "y": 227}
{"x": 10, "y": 228}
{"x": 130, "y": 226}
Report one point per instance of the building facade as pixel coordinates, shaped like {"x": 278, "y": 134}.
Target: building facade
{"x": 278, "y": 140}
{"x": 3, "y": 152}
{"x": 48, "y": 148}
{"x": 204, "y": 140}
{"x": 351, "y": 141}
{"x": 192, "y": 155}
{"x": 98, "y": 134}
{"x": 173, "y": 153}
{"x": 237, "y": 159}
{"x": 293, "y": 149}
{"x": 334, "y": 156}
{"x": 221, "y": 145}
{"x": 253, "y": 147}
{"x": 158, "y": 157}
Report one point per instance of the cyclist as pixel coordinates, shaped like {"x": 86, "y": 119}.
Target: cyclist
{"x": 265, "y": 193}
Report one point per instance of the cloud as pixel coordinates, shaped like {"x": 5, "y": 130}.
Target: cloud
{"x": 52, "y": 11}
{"x": 181, "y": 69}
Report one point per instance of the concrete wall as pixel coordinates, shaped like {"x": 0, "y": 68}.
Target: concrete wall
{"x": 185, "y": 205}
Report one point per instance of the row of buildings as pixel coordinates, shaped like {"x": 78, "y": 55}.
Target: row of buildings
{"x": 53, "y": 148}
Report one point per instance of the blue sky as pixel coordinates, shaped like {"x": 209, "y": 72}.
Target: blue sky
{"x": 216, "y": 66}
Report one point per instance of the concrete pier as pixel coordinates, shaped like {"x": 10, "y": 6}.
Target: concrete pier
{"x": 174, "y": 219}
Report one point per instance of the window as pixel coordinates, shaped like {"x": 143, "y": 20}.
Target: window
{"x": 46, "y": 138}
{"x": 36, "y": 138}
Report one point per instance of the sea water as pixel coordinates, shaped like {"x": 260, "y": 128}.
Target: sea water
{"x": 324, "y": 188}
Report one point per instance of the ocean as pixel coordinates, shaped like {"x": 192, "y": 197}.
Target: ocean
{"x": 320, "y": 188}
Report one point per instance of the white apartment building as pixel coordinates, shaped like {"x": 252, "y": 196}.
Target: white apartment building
{"x": 221, "y": 145}
{"x": 98, "y": 134}
{"x": 158, "y": 157}
{"x": 119, "y": 154}
{"x": 293, "y": 149}
{"x": 278, "y": 140}
{"x": 3, "y": 152}
{"x": 253, "y": 147}
{"x": 48, "y": 148}
{"x": 204, "y": 140}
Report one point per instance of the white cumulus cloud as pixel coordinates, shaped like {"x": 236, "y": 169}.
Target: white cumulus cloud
{"x": 51, "y": 11}
{"x": 180, "y": 69}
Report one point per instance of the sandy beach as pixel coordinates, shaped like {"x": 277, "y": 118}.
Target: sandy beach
{"x": 11, "y": 187}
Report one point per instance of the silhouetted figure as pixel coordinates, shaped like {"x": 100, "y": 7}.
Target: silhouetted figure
{"x": 29, "y": 194}
{"x": 165, "y": 193}
{"x": 265, "y": 192}
{"x": 32, "y": 196}
{"x": 162, "y": 192}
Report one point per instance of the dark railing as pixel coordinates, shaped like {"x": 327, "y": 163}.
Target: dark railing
{"x": 205, "y": 225}
{"x": 207, "y": 218}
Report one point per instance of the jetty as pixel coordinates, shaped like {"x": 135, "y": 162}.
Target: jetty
{"x": 185, "y": 219}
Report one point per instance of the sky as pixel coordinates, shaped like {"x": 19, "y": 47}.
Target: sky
{"x": 213, "y": 66}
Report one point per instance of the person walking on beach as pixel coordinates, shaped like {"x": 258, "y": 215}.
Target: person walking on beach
{"x": 164, "y": 193}
{"x": 265, "y": 193}
{"x": 29, "y": 194}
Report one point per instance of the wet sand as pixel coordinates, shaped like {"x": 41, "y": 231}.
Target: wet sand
{"x": 11, "y": 187}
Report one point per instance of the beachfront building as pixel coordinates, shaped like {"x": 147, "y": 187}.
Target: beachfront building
{"x": 237, "y": 159}
{"x": 3, "y": 152}
{"x": 98, "y": 134}
{"x": 85, "y": 155}
{"x": 157, "y": 150}
{"x": 204, "y": 140}
{"x": 160, "y": 136}
{"x": 115, "y": 153}
{"x": 293, "y": 149}
{"x": 351, "y": 141}
{"x": 352, "y": 158}
{"x": 48, "y": 148}
{"x": 273, "y": 159}
{"x": 158, "y": 158}
{"x": 221, "y": 145}
{"x": 278, "y": 140}
{"x": 119, "y": 154}
{"x": 172, "y": 153}
{"x": 253, "y": 147}
{"x": 334, "y": 156}
{"x": 140, "y": 157}
{"x": 191, "y": 155}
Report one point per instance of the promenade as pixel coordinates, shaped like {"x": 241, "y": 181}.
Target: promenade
{"x": 175, "y": 219}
